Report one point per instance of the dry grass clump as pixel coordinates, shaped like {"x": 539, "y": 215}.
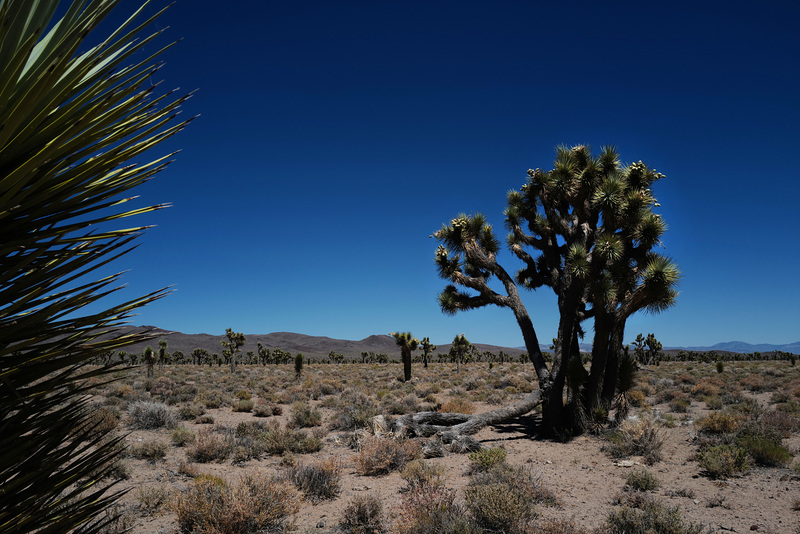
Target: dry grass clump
{"x": 723, "y": 461}
{"x": 152, "y": 498}
{"x": 433, "y": 510}
{"x": 182, "y": 436}
{"x": 642, "y": 480}
{"x": 457, "y": 405}
{"x": 720, "y": 423}
{"x": 363, "y": 515}
{"x": 422, "y": 473}
{"x": 148, "y": 450}
{"x": 256, "y": 504}
{"x": 210, "y": 446}
{"x": 487, "y": 458}
{"x": 380, "y": 455}
{"x": 103, "y": 420}
{"x": 279, "y": 440}
{"x": 354, "y": 410}
{"x": 318, "y": 481}
{"x": 304, "y": 416}
{"x": 640, "y": 437}
{"x": 149, "y": 415}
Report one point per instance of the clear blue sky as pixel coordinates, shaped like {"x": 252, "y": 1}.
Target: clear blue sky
{"x": 335, "y": 137}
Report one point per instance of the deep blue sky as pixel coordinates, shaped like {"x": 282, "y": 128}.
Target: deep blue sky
{"x": 335, "y": 137}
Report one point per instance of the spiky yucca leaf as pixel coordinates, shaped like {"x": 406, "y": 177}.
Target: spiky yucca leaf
{"x": 69, "y": 121}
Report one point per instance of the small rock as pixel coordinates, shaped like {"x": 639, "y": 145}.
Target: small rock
{"x": 321, "y": 524}
{"x": 696, "y": 501}
{"x": 753, "y": 527}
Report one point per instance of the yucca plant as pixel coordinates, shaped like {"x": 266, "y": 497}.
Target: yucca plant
{"x": 71, "y": 115}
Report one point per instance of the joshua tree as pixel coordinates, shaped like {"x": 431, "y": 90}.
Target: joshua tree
{"x": 650, "y": 354}
{"x": 232, "y": 346}
{"x": 459, "y": 349}
{"x": 72, "y": 115}
{"x": 587, "y": 230}
{"x": 407, "y": 344}
{"x": 427, "y": 349}
{"x": 149, "y": 359}
{"x": 199, "y": 356}
{"x": 298, "y": 365}
{"x": 162, "y": 353}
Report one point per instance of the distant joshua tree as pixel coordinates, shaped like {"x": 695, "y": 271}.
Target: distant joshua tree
{"x": 232, "y": 346}
{"x": 427, "y": 349}
{"x": 149, "y": 359}
{"x": 407, "y": 344}
{"x": 459, "y": 349}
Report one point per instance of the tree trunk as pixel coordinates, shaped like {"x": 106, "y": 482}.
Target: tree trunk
{"x": 612, "y": 367}
{"x": 406, "y": 354}
{"x": 233, "y": 363}
{"x": 600, "y": 346}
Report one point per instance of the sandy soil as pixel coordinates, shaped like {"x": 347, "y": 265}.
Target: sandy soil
{"x": 583, "y": 477}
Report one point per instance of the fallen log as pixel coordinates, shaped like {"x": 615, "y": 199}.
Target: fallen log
{"x": 451, "y": 425}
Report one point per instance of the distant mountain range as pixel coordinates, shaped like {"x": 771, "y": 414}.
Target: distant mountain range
{"x": 317, "y": 347}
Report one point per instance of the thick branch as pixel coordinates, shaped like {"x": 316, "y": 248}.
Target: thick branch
{"x": 452, "y": 425}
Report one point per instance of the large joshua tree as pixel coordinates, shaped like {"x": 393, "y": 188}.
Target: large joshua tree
{"x": 586, "y": 229}
{"x": 71, "y": 115}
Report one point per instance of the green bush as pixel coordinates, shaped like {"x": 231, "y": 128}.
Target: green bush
{"x": 485, "y": 459}
{"x": 281, "y": 440}
{"x": 182, "y": 436}
{"x": 651, "y": 517}
{"x": 433, "y": 510}
{"x": 244, "y": 405}
{"x": 642, "y": 480}
{"x": 304, "y": 416}
{"x": 766, "y": 451}
{"x": 722, "y": 461}
{"x": 499, "y": 507}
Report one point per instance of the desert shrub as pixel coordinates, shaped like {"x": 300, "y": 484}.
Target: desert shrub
{"x": 780, "y": 422}
{"x": 148, "y": 415}
{"x": 152, "y": 498}
{"x": 252, "y": 429}
{"x": 650, "y": 516}
{"x": 281, "y": 440}
{"x": 380, "y": 455}
{"x": 163, "y": 388}
{"x": 765, "y": 450}
{"x": 457, "y": 405}
{"x": 642, "y": 437}
{"x": 363, "y": 515}
{"x": 181, "y": 436}
{"x": 210, "y": 446}
{"x": 243, "y": 394}
{"x": 637, "y": 398}
{"x": 754, "y": 382}
{"x": 148, "y": 450}
{"x": 501, "y": 499}
{"x": 262, "y": 410}
{"x": 720, "y": 423}
{"x": 485, "y": 459}
{"x": 209, "y": 399}
{"x": 642, "y": 480}
{"x": 558, "y": 526}
{"x": 713, "y": 403}
{"x": 707, "y": 387}
{"x": 188, "y": 412}
{"x": 420, "y": 473}
{"x": 206, "y": 419}
{"x": 355, "y": 410}
{"x": 304, "y": 416}
{"x": 124, "y": 391}
{"x": 103, "y": 420}
{"x": 433, "y": 510}
{"x": 680, "y": 404}
{"x": 722, "y": 461}
{"x": 520, "y": 478}
{"x": 244, "y": 405}
{"x": 256, "y": 504}
{"x": 318, "y": 481}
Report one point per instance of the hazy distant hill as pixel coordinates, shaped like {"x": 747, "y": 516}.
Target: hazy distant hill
{"x": 742, "y": 347}
{"x": 315, "y": 347}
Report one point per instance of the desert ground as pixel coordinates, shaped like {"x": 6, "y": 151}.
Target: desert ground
{"x": 711, "y": 448}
